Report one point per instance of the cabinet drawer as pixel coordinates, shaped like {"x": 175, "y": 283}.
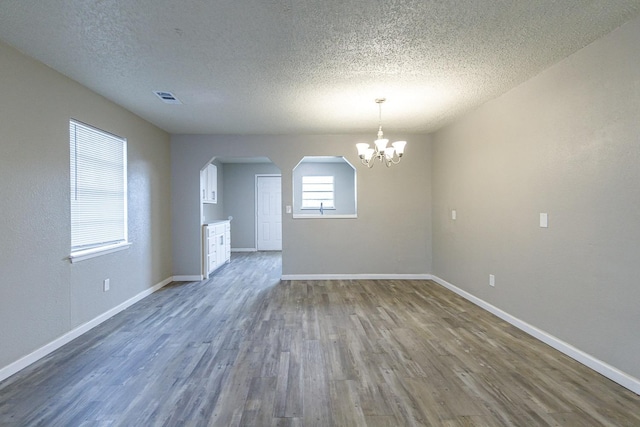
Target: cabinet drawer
{"x": 211, "y": 262}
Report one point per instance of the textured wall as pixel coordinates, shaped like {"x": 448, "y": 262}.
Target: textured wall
{"x": 42, "y": 295}
{"x": 392, "y": 233}
{"x": 566, "y": 143}
{"x": 240, "y": 200}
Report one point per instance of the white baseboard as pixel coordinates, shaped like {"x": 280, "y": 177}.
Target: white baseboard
{"x": 597, "y": 365}
{"x": 188, "y": 278}
{"x": 357, "y": 277}
{"x": 43, "y": 351}
{"x": 244, "y": 250}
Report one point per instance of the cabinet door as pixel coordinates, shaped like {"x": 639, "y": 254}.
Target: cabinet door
{"x": 211, "y": 249}
{"x": 212, "y": 262}
{"x": 220, "y": 248}
{"x": 227, "y": 246}
{"x": 212, "y": 184}
{"x": 204, "y": 185}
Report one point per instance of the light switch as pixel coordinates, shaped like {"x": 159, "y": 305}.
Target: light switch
{"x": 288, "y": 209}
{"x": 544, "y": 220}
{"x": 454, "y": 214}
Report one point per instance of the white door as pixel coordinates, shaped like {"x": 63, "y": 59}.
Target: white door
{"x": 269, "y": 213}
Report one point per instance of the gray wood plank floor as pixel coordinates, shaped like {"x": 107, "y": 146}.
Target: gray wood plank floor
{"x": 246, "y": 349}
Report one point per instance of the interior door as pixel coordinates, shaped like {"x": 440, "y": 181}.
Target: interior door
{"x": 269, "y": 213}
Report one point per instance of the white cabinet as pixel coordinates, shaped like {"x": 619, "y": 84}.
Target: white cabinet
{"x": 217, "y": 246}
{"x": 212, "y": 183}
{"x": 209, "y": 184}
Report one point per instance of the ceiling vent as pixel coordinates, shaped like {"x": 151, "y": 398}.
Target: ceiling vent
{"x": 167, "y": 97}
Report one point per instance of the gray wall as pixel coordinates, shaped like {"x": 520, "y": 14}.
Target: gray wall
{"x": 344, "y": 186}
{"x": 240, "y": 200}
{"x": 42, "y": 295}
{"x": 567, "y": 143}
{"x": 367, "y": 245}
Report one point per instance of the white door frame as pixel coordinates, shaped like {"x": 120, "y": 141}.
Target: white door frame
{"x": 258, "y": 175}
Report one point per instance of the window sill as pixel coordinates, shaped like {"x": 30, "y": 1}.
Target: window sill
{"x": 327, "y": 216}
{"x": 317, "y": 209}
{"x": 95, "y": 252}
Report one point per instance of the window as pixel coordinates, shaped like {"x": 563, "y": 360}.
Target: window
{"x": 98, "y": 165}
{"x": 317, "y": 192}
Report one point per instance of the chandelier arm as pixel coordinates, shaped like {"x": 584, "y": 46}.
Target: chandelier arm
{"x": 369, "y": 163}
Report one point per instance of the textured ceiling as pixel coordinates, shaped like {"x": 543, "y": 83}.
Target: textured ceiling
{"x": 304, "y": 66}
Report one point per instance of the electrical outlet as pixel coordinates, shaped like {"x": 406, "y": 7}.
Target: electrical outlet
{"x": 105, "y": 285}
{"x": 492, "y": 280}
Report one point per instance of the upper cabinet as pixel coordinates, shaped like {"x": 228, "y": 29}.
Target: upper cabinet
{"x": 209, "y": 184}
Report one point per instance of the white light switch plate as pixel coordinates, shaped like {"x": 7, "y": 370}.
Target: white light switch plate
{"x": 454, "y": 214}
{"x": 288, "y": 209}
{"x": 544, "y": 220}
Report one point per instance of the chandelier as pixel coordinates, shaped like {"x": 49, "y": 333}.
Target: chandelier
{"x": 387, "y": 155}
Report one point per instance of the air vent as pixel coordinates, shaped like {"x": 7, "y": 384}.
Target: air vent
{"x": 167, "y": 97}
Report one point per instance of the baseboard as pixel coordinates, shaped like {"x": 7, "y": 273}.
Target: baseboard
{"x": 43, "y": 351}
{"x": 357, "y": 277}
{"x": 188, "y": 278}
{"x": 597, "y": 365}
{"x": 244, "y": 250}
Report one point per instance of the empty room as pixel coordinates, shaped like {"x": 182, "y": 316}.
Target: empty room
{"x": 320, "y": 213}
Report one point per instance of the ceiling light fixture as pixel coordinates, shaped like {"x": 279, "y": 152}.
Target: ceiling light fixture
{"x": 387, "y": 155}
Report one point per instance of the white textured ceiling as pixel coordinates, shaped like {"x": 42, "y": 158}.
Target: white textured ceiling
{"x": 304, "y": 66}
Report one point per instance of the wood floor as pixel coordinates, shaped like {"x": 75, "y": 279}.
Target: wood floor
{"x": 246, "y": 349}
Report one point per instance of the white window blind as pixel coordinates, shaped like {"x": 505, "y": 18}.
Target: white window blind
{"x": 98, "y": 188}
{"x": 317, "y": 191}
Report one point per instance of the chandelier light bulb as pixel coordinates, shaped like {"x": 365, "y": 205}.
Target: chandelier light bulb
{"x": 389, "y": 153}
{"x": 369, "y": 154}
{"x": 399, "y": 146}
{"x": 362, "y": 148}
{"x": 381, "y": 144}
